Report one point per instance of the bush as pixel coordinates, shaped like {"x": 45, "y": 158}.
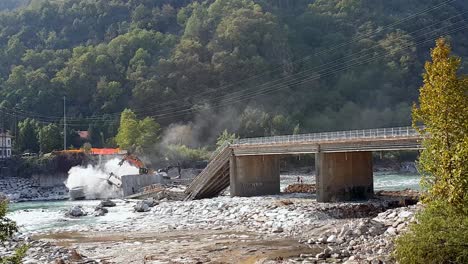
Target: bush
{"x": 439, "y": 236}
{"x": 7, "y": 229}
{"x": 183, "y": 153}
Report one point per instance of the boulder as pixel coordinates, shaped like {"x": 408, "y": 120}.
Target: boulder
{"x": 107, "y": 203}
{"x": 331, "y": 239}
{"x": 151, "y": 202}
{"x": 76, "y": 211}
{"x": 391, "y": 231}
{"x": 100, "y": 211}
{"x": 141, "y": 206}
{"x": 277, "y": 229}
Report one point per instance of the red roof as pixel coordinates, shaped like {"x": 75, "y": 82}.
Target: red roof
{"x": 105, "y": 151}
{"x": 83, "y": 134}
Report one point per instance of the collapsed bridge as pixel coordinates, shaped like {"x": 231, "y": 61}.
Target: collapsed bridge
{"x": 343, "y": 162}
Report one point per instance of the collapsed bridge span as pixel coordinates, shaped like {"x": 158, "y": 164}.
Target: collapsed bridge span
{"x": 343, "y": 163}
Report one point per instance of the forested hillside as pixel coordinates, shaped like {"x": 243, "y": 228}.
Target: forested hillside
{"x": 255, "y": 67}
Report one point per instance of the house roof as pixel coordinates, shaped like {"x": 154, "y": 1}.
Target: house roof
{"x": 83, "y": 134}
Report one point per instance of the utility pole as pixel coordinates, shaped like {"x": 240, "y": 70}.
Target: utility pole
{"x": 64, "y": 124}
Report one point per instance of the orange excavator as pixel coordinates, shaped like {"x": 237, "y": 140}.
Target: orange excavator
{"x": 142, "y": 169}
{"x": 135, "y": 161}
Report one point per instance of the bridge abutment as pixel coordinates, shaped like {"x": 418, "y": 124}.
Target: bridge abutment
{"x": 344, "y": 176}
{"x": 254, "y": 175}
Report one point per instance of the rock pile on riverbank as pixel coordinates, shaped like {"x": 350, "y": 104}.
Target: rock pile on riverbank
{"x": 282, "y": 215}
{"x": 18, "y": 189}
{"x": 44, "y": 252}
{"x": 358, "y": 231}
{"x": 364, "y": 240}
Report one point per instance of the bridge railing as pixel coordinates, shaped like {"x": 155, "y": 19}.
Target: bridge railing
{"x": 333, "y": 136}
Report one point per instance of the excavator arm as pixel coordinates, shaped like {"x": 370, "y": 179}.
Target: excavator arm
{"x": 135, "y": 161}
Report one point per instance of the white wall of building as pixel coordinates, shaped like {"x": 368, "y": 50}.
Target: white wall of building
{"x": 5, "y": 145}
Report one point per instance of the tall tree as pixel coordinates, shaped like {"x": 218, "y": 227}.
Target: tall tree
{"x": 137, "y": 135}
{"x": 443, "y": 110}
{"x": 49, "y": 138}
{"x": 27, "y": 136}
{"x": 128, "y": 130}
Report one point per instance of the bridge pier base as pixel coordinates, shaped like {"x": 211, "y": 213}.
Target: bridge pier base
{"x": 344, "y": 176}
{"x": 254, "y": 175}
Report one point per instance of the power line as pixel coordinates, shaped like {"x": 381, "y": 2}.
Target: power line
{"x": 256, "y": 76}
{"x": 290, "y": 81}
{"x": 331, "y": 70}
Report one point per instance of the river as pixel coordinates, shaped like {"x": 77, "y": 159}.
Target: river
{"x": 43, "y": 216}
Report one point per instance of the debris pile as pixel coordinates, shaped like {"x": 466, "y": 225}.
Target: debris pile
{"x": 300, "y": 188}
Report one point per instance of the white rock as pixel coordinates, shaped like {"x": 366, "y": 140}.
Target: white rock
{"x": 391, "y": 231}
{"x": 405, "y": 214}
{"x": 331, "y": 239}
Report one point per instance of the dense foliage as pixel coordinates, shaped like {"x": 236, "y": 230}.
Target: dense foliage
{"x": 254, "y": 67}
{"x": 7, "y": 229}
{"x": 439, "y": 236}
{"x": 441, "y": 231}
{"x": 443, "y": 109}
{"x": 136, "y": 135}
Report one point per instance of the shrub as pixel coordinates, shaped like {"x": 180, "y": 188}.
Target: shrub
{"x": 7, "y": 229}
{"x": 440, "y": 235}
{"x": 184, "y": 153}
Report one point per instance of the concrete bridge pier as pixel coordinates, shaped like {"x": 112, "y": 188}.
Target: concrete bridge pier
{"x": 254, "y": 175}
{"x": 344, "y": 176}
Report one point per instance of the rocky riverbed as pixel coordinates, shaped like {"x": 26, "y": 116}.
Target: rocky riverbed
{"x": 19, "y": 189}
{"x": 293, "y": 228}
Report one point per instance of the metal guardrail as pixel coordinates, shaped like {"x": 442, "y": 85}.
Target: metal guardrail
{"x": 333, "y": 136}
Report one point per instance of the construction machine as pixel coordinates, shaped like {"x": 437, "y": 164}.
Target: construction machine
{"x": 135, "y": 161}
{"x": 142, "y": 169}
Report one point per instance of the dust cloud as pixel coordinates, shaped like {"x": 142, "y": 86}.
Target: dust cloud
{"x": 94, "y": 178}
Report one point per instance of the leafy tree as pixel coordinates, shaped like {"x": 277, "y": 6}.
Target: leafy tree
{"x": 128, "y": 130}
{"x": 440, "y": 232}
{"x": 149, "y": 134}
{"x": 28, "y": 136}
{"x": 443, "y": 110}
{"x": 50, "y": 138}
{"x": 225, "y": 137}
{"x": 134, "y": 134}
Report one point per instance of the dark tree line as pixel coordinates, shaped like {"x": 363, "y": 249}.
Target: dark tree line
{"x": 278, "y": 65}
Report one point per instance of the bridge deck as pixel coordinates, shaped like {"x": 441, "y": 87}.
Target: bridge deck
{"x": 215, "y": 177}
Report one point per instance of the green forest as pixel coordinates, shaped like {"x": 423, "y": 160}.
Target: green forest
{"x": 191, "y": 69}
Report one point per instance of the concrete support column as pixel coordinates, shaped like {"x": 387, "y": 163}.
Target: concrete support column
{"x": 344, "y": 176}
{"x": 254, "y": 175}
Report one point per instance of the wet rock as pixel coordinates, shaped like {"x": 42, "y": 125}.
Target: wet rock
{"x": 107, "y": 203}
{"x": 141, "y": 206}
{"x": 100, "y": 211}
{"x": 76, "y": 211}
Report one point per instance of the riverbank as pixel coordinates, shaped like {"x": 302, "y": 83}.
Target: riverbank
{"x": 291, "y": 227}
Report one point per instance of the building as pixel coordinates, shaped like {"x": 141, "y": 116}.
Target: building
{"x": 5, "y": 145}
